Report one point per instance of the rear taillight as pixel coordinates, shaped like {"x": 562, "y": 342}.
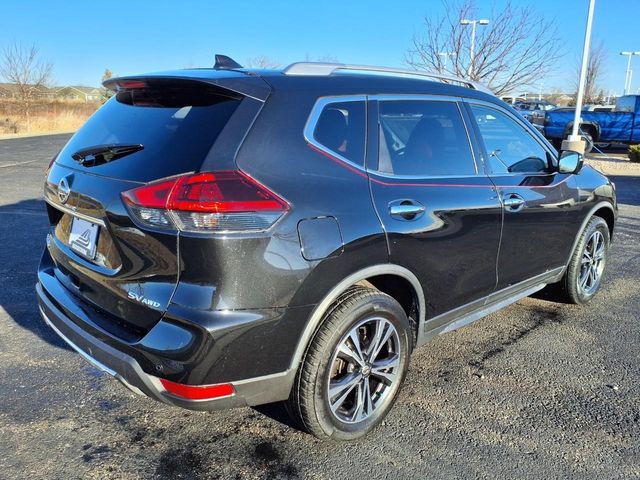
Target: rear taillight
{"x": 51, "y": 162}
{"x": 226, "y": 201}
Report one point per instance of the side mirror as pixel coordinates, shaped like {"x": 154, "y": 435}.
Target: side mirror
{"x": 570, "y": 162}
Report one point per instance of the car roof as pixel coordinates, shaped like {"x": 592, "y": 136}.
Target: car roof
{"x": 259, "y": 83}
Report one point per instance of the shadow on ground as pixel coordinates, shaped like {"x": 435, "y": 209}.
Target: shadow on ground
{"x": 24, "y": 229}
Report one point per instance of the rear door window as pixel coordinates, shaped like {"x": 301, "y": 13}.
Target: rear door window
{"x": 176, "y": 122}
{"x": 340, "y": 129}
{"x": 423, "y": 138}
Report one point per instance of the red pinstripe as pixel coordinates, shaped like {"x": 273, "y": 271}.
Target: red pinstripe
{"x": 394, "y": 184}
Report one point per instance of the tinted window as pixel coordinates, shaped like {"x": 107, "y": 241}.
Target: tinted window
{"x": 423, "y": 138}
{"x": 341, "y": 129}
{"x": 626, "y": 104}
{"x": 176, "y": 122}
{"x": 509, "y": 146}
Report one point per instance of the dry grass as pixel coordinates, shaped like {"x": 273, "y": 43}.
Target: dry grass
{"x": 54, "y": 116}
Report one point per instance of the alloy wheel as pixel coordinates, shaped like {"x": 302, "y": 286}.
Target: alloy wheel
{"x": 363, "y": 370}
{"x": 592, "y": 263}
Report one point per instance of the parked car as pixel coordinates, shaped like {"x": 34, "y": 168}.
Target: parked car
{"x": 228, "y": 237}
{"x": 530, "y": 109}
{"x": 622, "y": 125}
{"x": 534, "y": 105}
{"x": 511, "y": 99}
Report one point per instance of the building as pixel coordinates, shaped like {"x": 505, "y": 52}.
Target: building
{"x": 11, "y": 91}
{"x": 79, "y": 93}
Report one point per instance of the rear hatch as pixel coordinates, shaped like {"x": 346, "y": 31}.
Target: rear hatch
{"x": 150, "y": 129}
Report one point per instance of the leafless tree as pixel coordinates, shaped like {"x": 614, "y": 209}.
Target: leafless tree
{"x": 516, "y": 49}
{"x": 328, "y": 58}
{"x": 261, "y": 61}
{"x": 22, "y": 66}
{"x": 596, "y": 65}
{"x": 106, "y": 93}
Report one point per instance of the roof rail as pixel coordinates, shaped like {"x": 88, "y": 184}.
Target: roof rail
{"x": 325, "y": 69}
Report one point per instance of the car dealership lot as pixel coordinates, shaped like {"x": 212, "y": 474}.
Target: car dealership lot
{"x": 539, "y": 390}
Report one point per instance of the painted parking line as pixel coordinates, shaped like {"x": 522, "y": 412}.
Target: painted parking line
{"x": 16, "y": 164}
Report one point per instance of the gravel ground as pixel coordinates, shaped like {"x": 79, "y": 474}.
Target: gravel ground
{"x": 538, "y": 390}
{"x": 613, "y": 160}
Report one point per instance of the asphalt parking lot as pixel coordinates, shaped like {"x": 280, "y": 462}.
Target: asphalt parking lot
{"x": 539, "y": 390}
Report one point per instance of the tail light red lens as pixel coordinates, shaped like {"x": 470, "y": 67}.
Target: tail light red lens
{"x": 198, "y": 392}
{"x": 225, "y": 201}
{"x": 51, "y": 162}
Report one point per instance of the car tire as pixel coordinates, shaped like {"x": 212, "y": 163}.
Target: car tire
{"x": 588, "y": 139}
{"x": 585, "y": 271}
{"x": 354, "y": 366}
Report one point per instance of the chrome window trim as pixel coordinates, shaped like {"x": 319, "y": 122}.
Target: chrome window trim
{"x": 312, "y": 120}
{"x": 429, "y": 98}
{"x": 415, "y": 96}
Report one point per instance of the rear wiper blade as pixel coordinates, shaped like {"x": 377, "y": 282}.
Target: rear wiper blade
{"x": 105, "y": 153}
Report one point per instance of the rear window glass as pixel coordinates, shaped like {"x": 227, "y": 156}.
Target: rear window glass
{"x": 176, "y": 123}
{"x": 341, "y": 129}
{"x": 626, "y": 103}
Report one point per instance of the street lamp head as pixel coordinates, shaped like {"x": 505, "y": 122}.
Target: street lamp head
{"x": 636, "y": 53}
{"x": 464, "y": 21}
{"x": 483, "y": 22}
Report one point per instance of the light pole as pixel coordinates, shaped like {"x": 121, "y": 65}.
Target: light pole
{"x": 627, "y": 77}
{"x": 446, "y": 55}
{"x": 575, "y": 142}
{"x": 473, "y": 23}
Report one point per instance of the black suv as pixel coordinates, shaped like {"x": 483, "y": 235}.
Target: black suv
{"x": 228, "y": 237}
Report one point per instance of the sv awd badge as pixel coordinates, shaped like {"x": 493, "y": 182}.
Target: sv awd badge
{"x": 141, "y": 299}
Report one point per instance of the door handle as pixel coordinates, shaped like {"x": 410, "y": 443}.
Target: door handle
{"x": 513, "y": 202}
{"x": 407, "y": 209}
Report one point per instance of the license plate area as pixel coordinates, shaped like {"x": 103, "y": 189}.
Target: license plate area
{"x": 83, "y": 237}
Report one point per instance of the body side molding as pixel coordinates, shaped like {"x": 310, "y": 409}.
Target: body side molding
{"x": 466, "y": 314}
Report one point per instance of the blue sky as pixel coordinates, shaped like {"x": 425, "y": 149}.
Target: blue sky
{"x": 84, "y": 38}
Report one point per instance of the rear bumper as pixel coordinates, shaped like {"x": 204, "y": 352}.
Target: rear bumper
{"x": 129, "y": 363}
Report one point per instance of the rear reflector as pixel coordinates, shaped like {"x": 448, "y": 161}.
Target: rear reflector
{"x": 198, "y": 392}
{"x": 226, "y": 201}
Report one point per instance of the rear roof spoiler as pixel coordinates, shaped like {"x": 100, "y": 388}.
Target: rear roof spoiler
{"x": 239, "y": 82}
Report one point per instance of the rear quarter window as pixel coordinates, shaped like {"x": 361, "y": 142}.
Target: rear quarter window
{"x": 340, "y": 129}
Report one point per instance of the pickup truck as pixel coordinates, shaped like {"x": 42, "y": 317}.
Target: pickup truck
{"x": 622, "y": 125}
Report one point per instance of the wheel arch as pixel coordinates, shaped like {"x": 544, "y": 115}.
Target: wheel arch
{"x": 601, "y": 209}
{"x": 378, "y": 276}
{"x": 594, "y": 126}
{"x": 608, "y": 216}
